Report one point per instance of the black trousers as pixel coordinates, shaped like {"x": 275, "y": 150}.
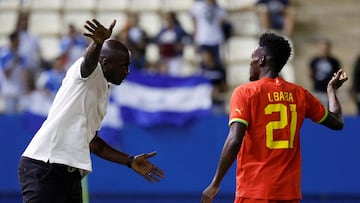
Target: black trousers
{"x": 48, "y": 183}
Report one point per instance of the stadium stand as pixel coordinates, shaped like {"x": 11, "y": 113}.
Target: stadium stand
{"x": 48, "y": 17}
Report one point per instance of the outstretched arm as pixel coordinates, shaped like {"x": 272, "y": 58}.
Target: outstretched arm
{"x": 98, "y": 33}
{"x": 138, "y": 163}
{"x": 228, "y": 155}
{"x": 335, "y": 119}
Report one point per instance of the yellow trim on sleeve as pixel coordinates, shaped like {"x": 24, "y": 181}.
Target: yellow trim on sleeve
{"x": 238, "y": 120}
{"x": 324, "y": 117}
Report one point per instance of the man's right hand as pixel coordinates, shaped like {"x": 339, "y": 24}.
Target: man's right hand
{"x": 97, "y": 32}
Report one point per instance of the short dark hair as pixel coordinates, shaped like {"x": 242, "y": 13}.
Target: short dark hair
{"x": 277, "y": 47}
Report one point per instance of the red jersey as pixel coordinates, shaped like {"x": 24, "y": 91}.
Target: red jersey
{"x": 269, "y": 161}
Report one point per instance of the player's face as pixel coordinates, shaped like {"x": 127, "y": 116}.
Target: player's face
{"x": 255, "y": 65}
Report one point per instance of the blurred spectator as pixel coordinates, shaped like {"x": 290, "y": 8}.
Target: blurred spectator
{"x": 50, "y": 81}
{"x": 39, "y": 97}
{"x": 355, "y": 89}
{"x": 136, "y": 40}
{"x": 277, "y": 15}
{"x": 322, "y": 68}
{"x": 171, "y": 40}
{"x": 217, "y": 76}
{"x": 13, "y": 74}
{"x": 29, "y": 46}
{"x": 208, "y": 18}
{"x": 72, "y": 45}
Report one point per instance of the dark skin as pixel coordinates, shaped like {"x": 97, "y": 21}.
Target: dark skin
{"x": 260, "y": 67}
{"x": 114, "y": 61}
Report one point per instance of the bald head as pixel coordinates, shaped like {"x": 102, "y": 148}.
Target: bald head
{"x": 114, "y": 48}
{"x": 114, "y": 59}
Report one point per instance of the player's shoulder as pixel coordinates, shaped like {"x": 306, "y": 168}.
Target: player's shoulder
{"x": 297, "y": 86}
{"x": 293, "y": 85}
{"x": 248, "y": 87}
{"x": 297, "y": 89}
{"x": 243, "y": 86}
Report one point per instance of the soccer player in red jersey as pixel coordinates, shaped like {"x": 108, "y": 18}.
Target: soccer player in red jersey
{"x": 266, "y": 115}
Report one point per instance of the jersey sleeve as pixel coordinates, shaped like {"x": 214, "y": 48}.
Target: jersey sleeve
{"x": 239, "y": 107}
{"x": 315, "y": 109}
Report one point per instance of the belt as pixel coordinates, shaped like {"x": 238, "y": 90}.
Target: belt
{"x": 69, "y": 169}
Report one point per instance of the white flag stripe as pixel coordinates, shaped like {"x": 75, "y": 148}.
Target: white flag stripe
{"x": 174, "y": 99}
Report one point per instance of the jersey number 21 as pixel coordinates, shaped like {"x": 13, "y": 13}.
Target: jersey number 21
{"x": 282, "y": 109}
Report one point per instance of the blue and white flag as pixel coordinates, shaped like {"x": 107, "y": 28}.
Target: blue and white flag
{"x": 143, "y": 99}
{"x": 151, "y": 100}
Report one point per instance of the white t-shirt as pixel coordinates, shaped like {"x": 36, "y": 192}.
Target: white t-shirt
{"x": 208, "y": 20}
{"x": 75, "y": 115}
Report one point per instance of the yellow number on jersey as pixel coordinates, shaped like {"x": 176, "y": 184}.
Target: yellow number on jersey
{"x": 280, "y": 124}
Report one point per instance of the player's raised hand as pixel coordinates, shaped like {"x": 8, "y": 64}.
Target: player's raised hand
{"x": 337, "y": 80}
{"x": 97, "y": 31}
{"x": 145, "y": 168}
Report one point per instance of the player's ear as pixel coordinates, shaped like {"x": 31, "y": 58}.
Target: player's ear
{"x": 104, "y": 62}
{"x": 262, "y": 61}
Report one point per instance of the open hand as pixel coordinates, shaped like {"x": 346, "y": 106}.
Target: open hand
{"x": 146, "y": 169}
{"x": 98, "y": 32}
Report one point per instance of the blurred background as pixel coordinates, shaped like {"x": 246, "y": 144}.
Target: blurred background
{"x": 40, "y": 39}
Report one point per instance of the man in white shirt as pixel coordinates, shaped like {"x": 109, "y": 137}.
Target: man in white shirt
{"x": 208, "y": 19}
{"x": 52, "y": 165}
